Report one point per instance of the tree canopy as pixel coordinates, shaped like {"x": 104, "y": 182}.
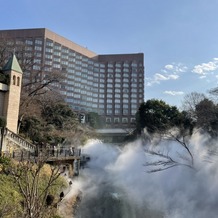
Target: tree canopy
{"x": 156, "y": 115}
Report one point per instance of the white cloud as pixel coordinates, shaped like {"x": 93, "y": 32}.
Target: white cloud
{"x": 176, "y": 68}
{"x": 169, "y": 72}
{"x": 159, "y": 77}
{"x": 205, "y": 68}
{"x": 169, "y": 67}
{"x": 174, "y": 93}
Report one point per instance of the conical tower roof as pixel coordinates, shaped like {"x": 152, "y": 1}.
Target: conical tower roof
{"x": 12, "y": 64}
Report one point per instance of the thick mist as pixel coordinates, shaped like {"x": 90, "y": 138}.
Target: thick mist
{"x": 117, "y": 183}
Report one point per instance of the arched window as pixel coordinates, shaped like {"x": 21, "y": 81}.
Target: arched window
{"x": 18, "y": 81}
{"x": 14, "y": 80}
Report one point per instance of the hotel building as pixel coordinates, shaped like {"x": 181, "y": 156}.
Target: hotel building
{"x": 110, "y": 85}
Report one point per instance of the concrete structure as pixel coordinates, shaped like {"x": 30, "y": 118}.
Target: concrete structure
{"x": 10, "y": 93}
{"x": 110, "y": 85}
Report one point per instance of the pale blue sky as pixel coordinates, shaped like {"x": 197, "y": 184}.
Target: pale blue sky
{"x": 179, "y": 38}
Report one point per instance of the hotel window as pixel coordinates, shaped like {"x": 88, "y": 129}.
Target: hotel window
{"x": 110, "y": 65}
{"x": 38, "y": 48}
{"x": 57, "y": 53}
{"x": 57, "y": 47}
{"x": 109, "y": 100}
{"x": 125, "y": 90}
{"x": 126, "y": 70}
{"x": 125, "y": 85}
{"x": 116, "y": 120}
{"x": 101, "y": 106}
{"x": 117, "y": 70}
{"x": 110, "y": 75}
{"x": 134, "y": 74}
{"x": 65, "y": 50}
{"x": 117, "y": 106}
{"x": 117, "y": 101}
{"x": 117, "y": 90}
{"x": 37, "y": 61}
{"x": 29, "y": 48}
{"x": 125, "y": 111}
{"x": 109, "y": 106}
{"x": 109, "y": 111}
{"x": 108, "y": 120}
{"x": 35, "y": 67}
{"x": 124, "y": 120}
{"x": 117, "y": 80}
{"x": 50, "y": 50}
{"x": 38, "y": 41}
{"x": 125, "y": 101}
{"x": 57, "y": 59}
{"x": 117, "y": 95}
{"x": 125, "y": 75}
{"x": 126, "y": 65}
{"x": 29, "y": 41}
{"x": 109, "y": 90}
{"x": 117, "y": 111}
{"x": 132, "y": 120}
{"x": 95, "y": 84}
{"x": 72, "y": 53}
{"x": 134, "y": 64}
{"x": 48, "y": 56}
{"x": 57, "y": 66}
{"x": 49, "y": 43}
{"x": 133, "y": 112}
{"x": 110, "y": 70}
{"x": 109, "y": 85}
{"x": 109, "y": 95}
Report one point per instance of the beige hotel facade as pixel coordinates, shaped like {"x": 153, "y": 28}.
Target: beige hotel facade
{"x": 111, "y": 85}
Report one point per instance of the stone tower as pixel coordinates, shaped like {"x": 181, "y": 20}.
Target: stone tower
{"x": 12, "y": 96}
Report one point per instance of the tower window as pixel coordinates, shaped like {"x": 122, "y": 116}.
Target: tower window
{"x": 18, "y": 81}
{"x": 14, "y": 80}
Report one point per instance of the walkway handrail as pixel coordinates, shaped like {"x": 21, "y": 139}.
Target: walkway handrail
{"x": 19, "y": 140}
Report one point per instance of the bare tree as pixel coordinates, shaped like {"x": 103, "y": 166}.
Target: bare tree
{"x": 163, "y": 160}
{"x": 191, "y": 101}
{"x": 35, "y": 186}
